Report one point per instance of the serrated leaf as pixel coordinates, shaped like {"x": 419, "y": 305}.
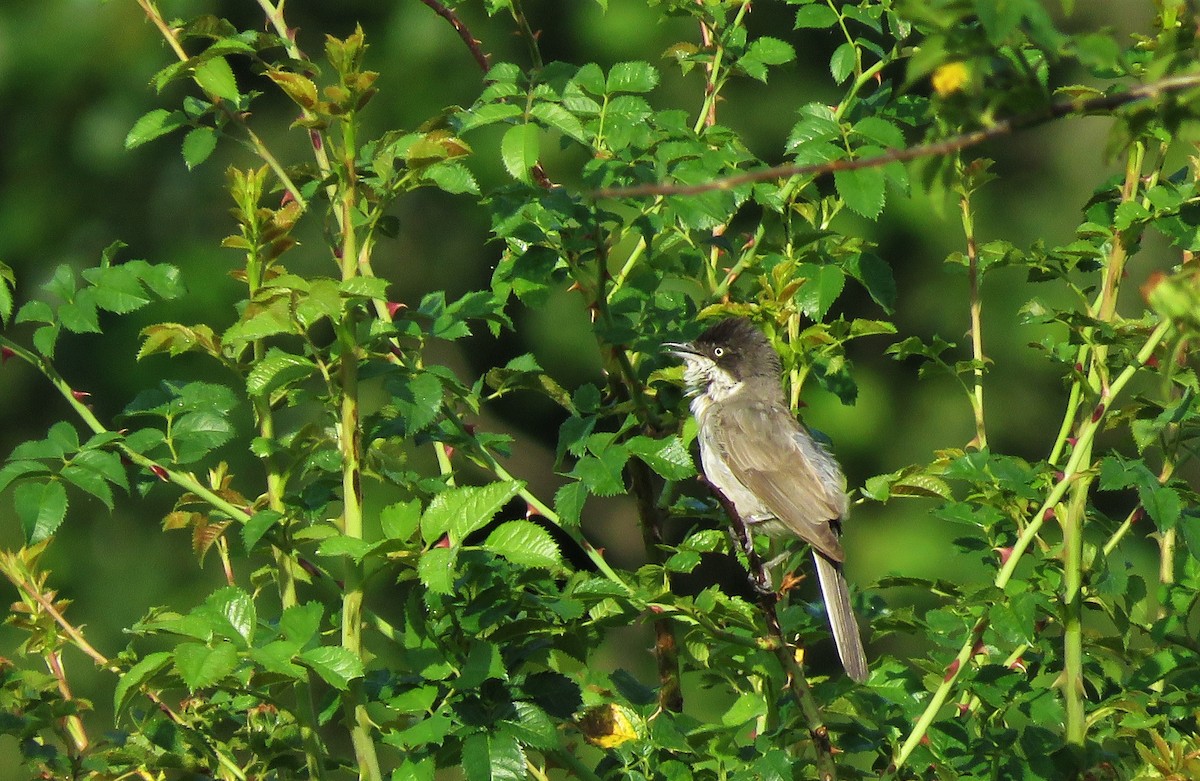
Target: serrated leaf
{"x": 41, "y": 508}
{"x": 153, "y": 124}
{"x": 337, "y": 666}
{"x": 299, "y": 623}
{"x": 89, "y": 481}
{"x": 631, "y": 77}
{"x": 843, "y": 61}
{"x": 176, "y": 339}
{"x": 277, "y": 369}
{"x": 400, "y": 520}
{"x": 668, "y": 457}
{"x": 299, "y": 88}
{"x": 820, "y": 290}
{"x": 922, "y": 485}
{"x": 862, "y": 189}
{"x": 568, "y": 502}
{"x": 488, "y": 756}
{"x": 216, "y": 78}
{"x": 525, "y": 543}
{"x": 137, "y": 676}
{"x": 435, "y": 569}
{"x": 198, "y": 144}
{"x": 558, "y": 118}
{"x": 200, "y": 666}
{"x": 365, "y": 287}
{"x": 20, "y": 468}
{"x": 460, "y": 511}
{"x": 343, "y": 545}
{"x": 876, "y": 276}
{"x": 235, "y": 614}
{"x": 117, "y": 289}
{"x": 815, "y": 16}
{"x": 519, "y": 151}
{"x": 452, "y": 177}
{"x": 258, "y": 525}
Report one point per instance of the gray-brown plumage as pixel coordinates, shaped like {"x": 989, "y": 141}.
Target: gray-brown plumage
{"x": 780, "y": 480}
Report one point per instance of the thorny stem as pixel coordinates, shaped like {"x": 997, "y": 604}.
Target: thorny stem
{"x": 28, "y": 585}
{"x": 968, "y": 223}
{"x": 1075, "y": 465}
{"x": 255, "y": 142}
{"x": 482, "y": 58}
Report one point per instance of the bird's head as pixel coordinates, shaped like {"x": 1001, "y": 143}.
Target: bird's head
{"x": 725, "y": 356}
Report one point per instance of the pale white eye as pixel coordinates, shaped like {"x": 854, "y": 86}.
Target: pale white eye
{"x": 718, "y": 352}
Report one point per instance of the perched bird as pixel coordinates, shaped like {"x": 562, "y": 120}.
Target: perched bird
{"x": 780, "y": 480}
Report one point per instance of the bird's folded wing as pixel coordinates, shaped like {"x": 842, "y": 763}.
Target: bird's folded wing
{"x": 760, "y": 447}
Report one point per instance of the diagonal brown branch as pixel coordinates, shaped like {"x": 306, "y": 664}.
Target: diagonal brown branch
{"x": 1152, "y": 91}
{"x": 474, "y": 44}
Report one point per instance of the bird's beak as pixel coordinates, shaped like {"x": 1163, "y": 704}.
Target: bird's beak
{"x": 681, "y": 349}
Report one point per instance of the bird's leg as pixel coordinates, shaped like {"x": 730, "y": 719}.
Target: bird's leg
{"x": 760, "y": 579}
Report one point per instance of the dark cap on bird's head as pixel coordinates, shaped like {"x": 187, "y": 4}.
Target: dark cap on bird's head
{"x": 734, "y": 346}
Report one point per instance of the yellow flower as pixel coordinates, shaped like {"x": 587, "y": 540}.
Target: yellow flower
{"x": 950, "y": 78}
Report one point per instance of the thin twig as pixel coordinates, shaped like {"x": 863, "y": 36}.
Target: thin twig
{"x": 784, "y": 651}
{"x": 936, "y": 149}
{"x": 482, "y": 58}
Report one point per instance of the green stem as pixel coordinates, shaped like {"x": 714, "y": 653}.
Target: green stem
{"x": 1075, "y": 465}
{"x": 1072, "y": 529}
{"x": 976, "y": 307}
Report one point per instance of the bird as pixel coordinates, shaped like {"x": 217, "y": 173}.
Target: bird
{"x": 780, "y": 480}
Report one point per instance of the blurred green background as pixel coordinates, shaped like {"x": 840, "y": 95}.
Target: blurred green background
{"x": 74, "y": 77}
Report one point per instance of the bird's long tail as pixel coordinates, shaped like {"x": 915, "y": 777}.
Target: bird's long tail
{"x": 841, "y": 617}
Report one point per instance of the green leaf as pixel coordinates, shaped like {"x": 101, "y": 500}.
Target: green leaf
{"x": 532, "y": 726}
{"x": 89, "y": 481}
{"x": 843, "y": 61}
{"x": 519, "y": 151}
{"x": 815, "y": 16}
{"x": 337, "y": 666}
{"x": 365, "y": 287}
{"x": 198, "y": 144}
{"x": 602, "y": 474}
{"x": 668, "y": 457}
{"x": 525, "y": 543}
{"x": 258, "y": 525}
{"x": 1162, "y": 504}
{"x": 153, "y": 124}
{"x": 20, "y": 468}
{"x": 862, "y": 189}
{"x": 299, "y": 623}
{"x": 234, "y": 614}
{"x": 137, "y": 676}
{"x": 488, "y": 756}
{"x": 436, "y": 569}
{"x": 117, "y": 288}
{"x": 820, "y": 290}
{"x": 200, "y": 666}
{"x": 568, "y": 502}
{"x": 874, "y": 274}
{"x": 277, "y": 369}
{"x": 453, "y": 177}
{"x": 460, "y": 511}
{"x": 400, "y": 520}
{"x": 343, "y": 545}
{"x": 631, "y": 77}
{"x": 555, "y": 116}
{"x": 216, "y": 78}
{"x": 41, "y": 508}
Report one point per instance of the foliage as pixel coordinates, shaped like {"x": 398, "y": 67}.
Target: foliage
{"x": 397, "y": 602}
